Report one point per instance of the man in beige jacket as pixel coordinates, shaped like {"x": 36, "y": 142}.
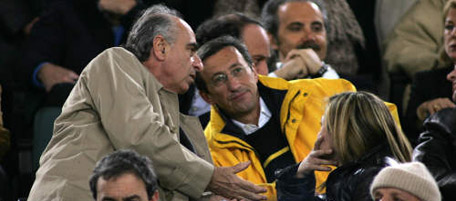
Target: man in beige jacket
{"x": 126, "y": 98}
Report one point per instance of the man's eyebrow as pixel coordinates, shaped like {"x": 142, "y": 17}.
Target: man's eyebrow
{"x": 258, "y": 57}
{"x": 108, "y": 199}
{"x": 133, "y": 197}
{"x": 235, "y": 65}
{"x": 192, "y": 46}
{"x": 317, "y": 23}
{"x": 296, "y": 24}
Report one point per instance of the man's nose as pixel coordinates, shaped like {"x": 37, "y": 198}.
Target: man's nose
{"x": 197, "y": 63}
{"x": 308, "y": 35}
{"x": 233, "y": 83}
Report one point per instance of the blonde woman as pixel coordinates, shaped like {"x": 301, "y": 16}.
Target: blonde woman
{"x": 357, "y": 133}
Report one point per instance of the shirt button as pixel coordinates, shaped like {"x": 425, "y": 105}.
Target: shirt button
{"x": 293, "y": 121}
{"x": 305, "y": 94}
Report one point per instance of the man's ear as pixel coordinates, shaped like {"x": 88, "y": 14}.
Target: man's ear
{"x": 206, "y": 97}
{"x": 155, "y": 197}
{"x": 273, "y": 41}
{"x": 160, "y": 47}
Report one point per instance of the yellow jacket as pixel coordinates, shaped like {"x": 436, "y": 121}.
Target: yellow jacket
{"x": 303, "y": 106}
{"x": 300, "y": 114}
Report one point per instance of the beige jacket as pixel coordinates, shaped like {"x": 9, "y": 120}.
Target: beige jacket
{"x": 118, "y": 104}
{"x": 417, "y": 40}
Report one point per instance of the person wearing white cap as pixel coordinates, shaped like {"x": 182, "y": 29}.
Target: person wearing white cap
{"x": 407, "y": 181}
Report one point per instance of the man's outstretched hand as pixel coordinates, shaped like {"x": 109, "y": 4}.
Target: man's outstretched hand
{"x": 226, "y": 183}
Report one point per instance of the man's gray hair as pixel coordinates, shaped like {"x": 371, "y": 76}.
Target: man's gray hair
{"x": 154, "y": 21}
{"x": 270, "y": 17}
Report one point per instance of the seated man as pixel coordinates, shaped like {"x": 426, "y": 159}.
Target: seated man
{"x": 297, "y": 30}
{"x": 124, "y": 175}
{"x": 268, "y": 121}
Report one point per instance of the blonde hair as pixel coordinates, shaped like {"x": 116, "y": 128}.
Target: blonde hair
{"x": 446, "y": 9}
{"x": 358, "y": 122}
{"x": 451, "y": 4}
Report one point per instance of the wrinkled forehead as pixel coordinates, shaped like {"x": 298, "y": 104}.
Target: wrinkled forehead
{"x": 223, "y": 60}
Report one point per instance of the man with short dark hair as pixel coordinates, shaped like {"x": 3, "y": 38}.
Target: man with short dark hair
{"x": 237, "y": 25}
{"x": 127, "y": 98}
{"x": 269, "y": 121}
{"x": 124, "y": 175}
{"x": 244, "y": 28}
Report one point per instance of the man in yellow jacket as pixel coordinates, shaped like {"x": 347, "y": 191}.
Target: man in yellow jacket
{"x": 269, "y": 121}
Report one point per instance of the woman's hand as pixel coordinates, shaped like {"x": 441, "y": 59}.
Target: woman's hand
{"x": 318, "y": 159}
{"x": 432, "y": 106}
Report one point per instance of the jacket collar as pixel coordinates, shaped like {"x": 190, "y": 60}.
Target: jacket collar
{"x": 376, "y": 156}
{"x": 223, "y": 125}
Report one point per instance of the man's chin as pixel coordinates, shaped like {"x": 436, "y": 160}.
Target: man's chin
{"x": 183, "y": 90}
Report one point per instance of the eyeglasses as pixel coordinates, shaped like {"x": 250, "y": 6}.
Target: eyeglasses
{"x": 220, "y": 79}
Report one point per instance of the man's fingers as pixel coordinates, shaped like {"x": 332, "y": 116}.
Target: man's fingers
{"x": 248, "y": 195}
{"x": 240, "y": 167}
{"x": 250, "y": 187}
{"x": 226, "y": 183}
{"x": 250, "y": 191}
{"x": 291, "y": 55}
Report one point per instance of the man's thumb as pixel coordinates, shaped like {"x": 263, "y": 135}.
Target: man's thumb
{"x": 241, "y": 166}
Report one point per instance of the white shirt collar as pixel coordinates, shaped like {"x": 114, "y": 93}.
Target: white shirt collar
{"x": 265, "y": 115}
